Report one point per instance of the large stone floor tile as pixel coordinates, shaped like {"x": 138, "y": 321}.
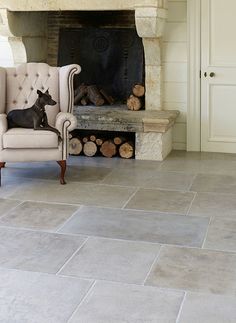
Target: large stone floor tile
{"x": 138, "y": 225}
{"x": 214, "y": 204}
{"x": 36, "y": 251}
{"x": 38, "y": 298}
{"x": 221, "y": 235}
{"x": 208, "y": 308}
{"x": 38, "y": 215}
{"x": 204, "y": 163}
{"x": 6, "y": 205}
{"x": 195, "y": 270}
{"x": 112, "y": 302}
{"x": 51, "y": 171}
{"x": 161, "y": 200}
{"x": 150, "y": 179}
{"x": 214, "y": 183}
{"x": 106, "y": 259}
{"x": 76, "y": 193}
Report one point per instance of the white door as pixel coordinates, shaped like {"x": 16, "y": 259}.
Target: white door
{"x": 218, "y": 80}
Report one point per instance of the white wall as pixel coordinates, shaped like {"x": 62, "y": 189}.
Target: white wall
{"x": 175, "y": 67}
{"x": 6, "y": 58}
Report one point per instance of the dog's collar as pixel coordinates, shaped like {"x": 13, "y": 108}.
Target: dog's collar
{"x": 40, "y": 108}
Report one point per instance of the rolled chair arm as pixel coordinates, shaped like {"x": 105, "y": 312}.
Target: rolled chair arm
{"x": 65, "y": 122}
{"x": 3, "y": 123}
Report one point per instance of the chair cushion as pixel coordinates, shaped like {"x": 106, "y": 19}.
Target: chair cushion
{"x": 29, "y": 138}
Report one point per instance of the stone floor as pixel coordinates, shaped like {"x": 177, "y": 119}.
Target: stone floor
{"x": 124, "y": 241}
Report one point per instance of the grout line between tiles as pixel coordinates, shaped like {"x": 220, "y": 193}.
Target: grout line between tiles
{"x": 152, "y": 265}
{"x": 194, "y": 197}
{"x": 191, "y": 184}
{"x": 129, "y": 199}
{"x": 181, "y": 307}
{"x": 69, "y": 259}
{"x": 64, "y": 223}
{"x": 82, "y": 300}
{"x": 12, "y": 209}
{"x": 204, "y": 241}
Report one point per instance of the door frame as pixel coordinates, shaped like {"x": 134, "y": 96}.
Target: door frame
{"x": 194, "y": 80}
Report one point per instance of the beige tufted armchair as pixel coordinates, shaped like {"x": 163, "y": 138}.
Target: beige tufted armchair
{"x": 18, "y": 90}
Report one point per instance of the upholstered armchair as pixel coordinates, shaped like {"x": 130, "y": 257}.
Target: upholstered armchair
{"x": 18, "y": 90}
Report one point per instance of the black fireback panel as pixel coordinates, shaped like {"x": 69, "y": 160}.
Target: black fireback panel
{"x": 111, "y": 58}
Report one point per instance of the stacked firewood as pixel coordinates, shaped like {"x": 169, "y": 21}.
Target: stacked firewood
{"x": 93, "y": 145}
{"x": 91, "y": 94}
{"x": 135, "y": 101}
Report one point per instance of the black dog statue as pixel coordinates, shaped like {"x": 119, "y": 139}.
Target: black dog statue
{"x": 34, "y": 117}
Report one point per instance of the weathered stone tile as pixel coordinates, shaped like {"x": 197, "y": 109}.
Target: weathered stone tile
{"x": 138, "y": 226}
{"x": 113, "y": 302}
{"x": 33, "y": 297}
{"x": 38, "y": 215}
{"x": 195, "y": 270}
{"x": 7, "y": 205}
{"x": 76, "y": 193}
{"x": 36, "y": 251}
{"x": 161, "y": 200}
{"x": 221, "y": 235}
{"x": 208, "y": 308}
{"x": 214, "y": 183}
{"x": 150, "y": 179}
{"x": 122, "y": 261}
{"x": 214, "y": 204}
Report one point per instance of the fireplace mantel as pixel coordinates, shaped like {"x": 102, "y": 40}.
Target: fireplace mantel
{"x": 46, "y": 5}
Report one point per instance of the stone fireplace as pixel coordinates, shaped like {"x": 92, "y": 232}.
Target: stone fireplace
{"x": 35, "y": 30}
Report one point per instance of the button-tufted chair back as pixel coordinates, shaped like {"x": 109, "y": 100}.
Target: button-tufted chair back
{"x": 22, "y": 83}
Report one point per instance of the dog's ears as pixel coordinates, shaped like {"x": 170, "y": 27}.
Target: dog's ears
{"x": 39, "y": 93}
{"x": 47, "y": 91}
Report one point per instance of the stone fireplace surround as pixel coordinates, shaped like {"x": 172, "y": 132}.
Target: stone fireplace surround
{"x": 25, "y": 23}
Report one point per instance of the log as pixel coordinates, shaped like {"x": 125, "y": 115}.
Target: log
{"x": 93, "y": 138}
{"x": 84, "y": 101}
{"x": 85, "y": 139}
{"x": 80, "y": 93}
{"x": 107, "y": 97}
{"x": 90, "y": 149}
{"x": 95, "y": 96}
{"x": 126, "y": 150}
{"x": 134, "y": 103}
{"x": 99, "y": 141}
{"x": 119, "y": 140}
{"x": 108, "y": 149}
{"x": 138, "y": 90}
{"x": 75, "y": 146}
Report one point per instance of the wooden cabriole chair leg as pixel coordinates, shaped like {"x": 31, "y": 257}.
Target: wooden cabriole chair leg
{"x": 62, "y": 164}
{"x": 2, "y": 165}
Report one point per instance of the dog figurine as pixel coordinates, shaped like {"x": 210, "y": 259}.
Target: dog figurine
{"x": 34, "y": 117}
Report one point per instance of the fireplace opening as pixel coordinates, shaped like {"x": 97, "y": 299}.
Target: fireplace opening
{"x": 111, "y": 55}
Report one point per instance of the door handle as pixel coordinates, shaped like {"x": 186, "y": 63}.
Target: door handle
{"x": 205, "y": 74}
{"x": 212, "y": 74}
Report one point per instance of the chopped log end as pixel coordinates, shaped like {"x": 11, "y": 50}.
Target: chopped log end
{"x": 75, "y": 146}
{"x": 92, "y": 138}
{"x": 138, "y": 90}
{"x": 90, "y": 149}
{"x": 99, "y": 141}
{"x": 134, "y": 103}
{"x": 119, "y": 140}
{"x": 126, "y": 150}
{"x": 85, "y": 139}
{"x": 108, "y": 149}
